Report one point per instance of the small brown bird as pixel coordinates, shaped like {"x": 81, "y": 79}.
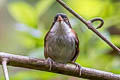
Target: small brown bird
{"x": 61, "y": 43}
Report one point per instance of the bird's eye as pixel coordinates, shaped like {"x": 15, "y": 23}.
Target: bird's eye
{"x": 66, "y": 19}
{"x": 63, "y": 16}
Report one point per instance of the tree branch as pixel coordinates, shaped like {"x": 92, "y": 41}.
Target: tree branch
{"x": 89, "y": 25}
{"x": 41, "y": 64}
{"x": 5, "y": 71}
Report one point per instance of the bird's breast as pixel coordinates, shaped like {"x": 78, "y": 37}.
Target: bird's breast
{"x": 61, "y": 48}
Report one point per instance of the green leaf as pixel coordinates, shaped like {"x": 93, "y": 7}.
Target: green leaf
{"x": 116, "y": 39}
{"x": 24, "y": 13}
{"x": 33, "y": 75}
{"x": 43, "y": 5}
{"x": 86, "y": 8}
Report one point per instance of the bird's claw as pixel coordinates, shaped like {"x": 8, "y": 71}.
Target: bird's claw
{"x": 78, "y": 67}
{"x": 50, "y": 62}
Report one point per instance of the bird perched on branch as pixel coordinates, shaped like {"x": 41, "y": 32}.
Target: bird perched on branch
{"x": 61, "y": 43}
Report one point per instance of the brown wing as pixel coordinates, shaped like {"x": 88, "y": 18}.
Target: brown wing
{"x": 45, "y": 46}
{"x": 45, "y": 42}
{"x": 76, "y": 47}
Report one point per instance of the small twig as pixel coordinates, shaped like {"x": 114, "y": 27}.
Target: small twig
{"x": 4, "y": 65}
{"x": 97, "y": 19}
{"x": 89, "y": 25}
{"x": 41, "y": 64}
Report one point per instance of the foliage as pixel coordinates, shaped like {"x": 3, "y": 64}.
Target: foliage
{"x": 33, "y": 20}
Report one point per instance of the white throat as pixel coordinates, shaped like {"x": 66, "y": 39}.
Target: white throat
{"x": 60, "y": 28}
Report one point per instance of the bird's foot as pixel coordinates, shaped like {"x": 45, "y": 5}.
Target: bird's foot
{"x": 50, "y": 62}
{"x": 78, "y": 67}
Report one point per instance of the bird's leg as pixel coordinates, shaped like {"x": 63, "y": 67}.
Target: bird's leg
{"x": 50, "y": 62}
{"x": 77, "y": 66}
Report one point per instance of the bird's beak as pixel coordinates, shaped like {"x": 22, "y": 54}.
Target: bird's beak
{"x": 59, "y": 19}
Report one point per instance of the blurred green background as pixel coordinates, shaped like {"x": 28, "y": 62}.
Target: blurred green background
{"x": 24, "y": 23}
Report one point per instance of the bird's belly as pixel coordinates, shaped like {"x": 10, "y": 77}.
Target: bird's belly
{"x": 62, "y": 48}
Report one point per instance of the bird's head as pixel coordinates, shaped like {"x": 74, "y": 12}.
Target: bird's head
{"x": 61, "y": 18}
{"x": 61, "y": 24}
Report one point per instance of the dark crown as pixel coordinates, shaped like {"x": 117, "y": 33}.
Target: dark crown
{"x": 60, "y": 14}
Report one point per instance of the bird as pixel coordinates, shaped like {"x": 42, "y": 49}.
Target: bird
{"x": 61, "y": 43}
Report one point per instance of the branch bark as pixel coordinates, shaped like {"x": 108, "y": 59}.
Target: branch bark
{"x": 4, "y": 65}
{"x": 41, "y": 64}
{"x": 89, "y": 25}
